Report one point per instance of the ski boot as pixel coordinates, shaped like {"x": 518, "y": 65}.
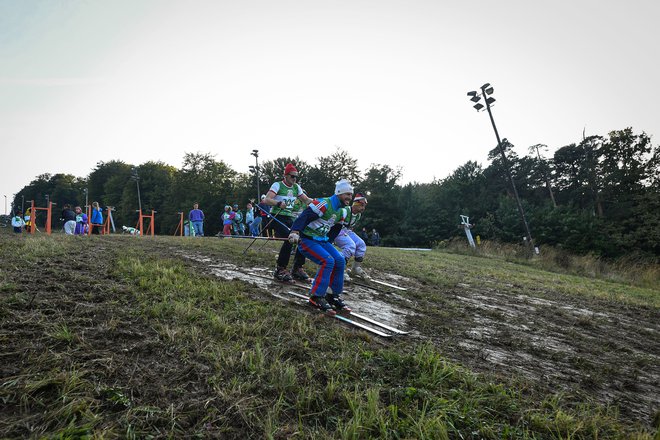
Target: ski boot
{"x": 338, "y": 304}
{"x": 299, "y": 274}
{"x": 283, "y": 275}
{"x": 357, "y": 270}
{"x": 320, "y": 303}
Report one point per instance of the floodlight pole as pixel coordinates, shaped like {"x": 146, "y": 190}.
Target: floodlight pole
{"x": 255, "y": 153}
{"x": 137, "y": 182}
{"x": 521, "y": 211}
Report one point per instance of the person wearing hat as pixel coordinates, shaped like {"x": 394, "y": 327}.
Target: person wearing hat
{"x": 348, "y": 241}
{"x": 281, "y": 197}
{"x": 311, "y": 230}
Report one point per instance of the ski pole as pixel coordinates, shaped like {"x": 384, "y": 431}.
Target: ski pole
{"x": 255, "y": 239}
{"x": 272, "y": 217}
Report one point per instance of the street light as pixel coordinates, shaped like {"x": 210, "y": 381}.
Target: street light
{"x": 255, "y": 153}
{"x": 486, "y": 92}
{"x": 5, "y": 204}
{"x": 135, "y": 177}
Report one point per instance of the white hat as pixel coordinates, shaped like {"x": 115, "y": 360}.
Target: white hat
{"x": 343, "y": 186}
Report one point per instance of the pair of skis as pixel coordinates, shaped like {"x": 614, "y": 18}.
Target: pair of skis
{"x": 348, "y": 320}
{"x": 380, "y": 331}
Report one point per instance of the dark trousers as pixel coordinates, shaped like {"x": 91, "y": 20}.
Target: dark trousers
{"x": 285, "y": 251}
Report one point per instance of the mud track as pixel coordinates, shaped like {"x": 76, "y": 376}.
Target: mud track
{"x": 544, "y": 340}
{"x": 584, "y": 348}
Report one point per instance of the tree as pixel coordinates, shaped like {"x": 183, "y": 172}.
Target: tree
{"x": 330, "y": 169}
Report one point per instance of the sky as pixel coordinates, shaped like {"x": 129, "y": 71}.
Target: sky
{"x": 84, "y": 81}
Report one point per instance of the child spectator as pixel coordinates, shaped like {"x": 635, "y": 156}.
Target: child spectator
{"x": 17, "y": 222}
{"x": 227, "y": 220}
{"x": 81, "y": 222}
{"x": 238, "y": 221}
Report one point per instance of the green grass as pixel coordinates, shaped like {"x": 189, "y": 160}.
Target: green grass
{"x": 230, "y": 361}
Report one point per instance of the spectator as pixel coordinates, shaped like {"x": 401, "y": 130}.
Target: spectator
{"x": 28, "y": 220}
{"x": 196, "y": 218}
{"x": 97, "y": 218}
{"x": 375, "y": 237}
{"x": 264, "y": 210}
{"x": 239, "y": 226}
{"x": 364, "y": 235}
{"x": 17, "y": 222}
{"x": 81, "y": 222}
{"x": 69, "y": 219}
{"x": 227, "y": 220}
{"x": 249, "y": 217}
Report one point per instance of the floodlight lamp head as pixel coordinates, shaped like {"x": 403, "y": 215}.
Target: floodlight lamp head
{"x": 472, "y": 93}
{"x": 478, "y": 106}
{"x": 490, "y": 100}
{"x": 485, "y": 86}
{"x": 476, "y": 98}
{"x": 255, "y": 152}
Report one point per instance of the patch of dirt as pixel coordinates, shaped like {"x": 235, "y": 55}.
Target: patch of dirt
{"x": 559, "y": 343}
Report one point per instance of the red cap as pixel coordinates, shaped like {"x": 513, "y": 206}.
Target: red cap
{"x": 290, "y": 168}
{"x": 359, "y": 197}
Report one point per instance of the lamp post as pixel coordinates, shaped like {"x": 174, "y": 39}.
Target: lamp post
{"x": 5, "y": 204}
{"x": 86, "y": 191}
{"x": 486, "y": 92}
{"x": 255, "y": 153}
{"x": 137, "y": 182}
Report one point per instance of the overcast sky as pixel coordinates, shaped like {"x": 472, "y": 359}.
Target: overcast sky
{"x": 147, "y": 80}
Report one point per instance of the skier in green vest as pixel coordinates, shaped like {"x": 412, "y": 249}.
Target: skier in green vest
{"x": 282, "y": 196}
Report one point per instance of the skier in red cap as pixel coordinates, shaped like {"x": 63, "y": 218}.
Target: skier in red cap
{"x": 281, "y": 196}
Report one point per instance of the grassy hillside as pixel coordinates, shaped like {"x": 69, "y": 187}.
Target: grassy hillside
{"x": 116, "y": 337}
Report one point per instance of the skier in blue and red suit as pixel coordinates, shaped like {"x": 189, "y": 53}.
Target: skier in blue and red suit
{"x": 311, "y": 230}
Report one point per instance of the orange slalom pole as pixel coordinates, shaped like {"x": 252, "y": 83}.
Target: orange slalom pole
{"x": 32, "y": 216}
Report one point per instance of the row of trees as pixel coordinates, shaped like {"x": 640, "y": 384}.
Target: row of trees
{"x": 601, "y": 195}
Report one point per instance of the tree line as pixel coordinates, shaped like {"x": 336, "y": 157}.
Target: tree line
{"x": 600, "y": 195}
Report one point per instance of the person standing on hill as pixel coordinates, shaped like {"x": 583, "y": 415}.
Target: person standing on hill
{"x": 97, "y": 218}
{"x": 28, "y": 220}
{"x": 311, "y": 229}
{"x": 348, "y": 241}
{"x": 282, "y": 196}
{"x": 196, "y": 218}
{"x": 17, "y": 222}
{"x": 81, "y": 222}
{"x": 69, "y": 219}
{"x": 227, "y": 221}
{"x": 260, "y": 218}
{"x": 239, "y": 226}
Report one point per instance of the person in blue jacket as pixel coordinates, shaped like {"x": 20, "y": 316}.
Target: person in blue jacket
{"x": 196, "y": 218}
{"x": 311, "y": 230}
{"x": 97, "y": 218}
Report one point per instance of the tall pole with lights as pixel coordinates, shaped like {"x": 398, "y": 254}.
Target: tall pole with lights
{"x": 255, "y": 153}
{"x": 137, "y": 182}
{"x": 486, "y": 93}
